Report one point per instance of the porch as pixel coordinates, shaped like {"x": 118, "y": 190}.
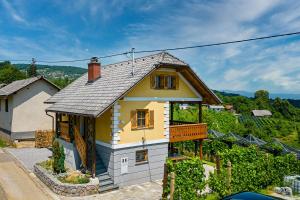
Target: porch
{"x": 181, "y": 131}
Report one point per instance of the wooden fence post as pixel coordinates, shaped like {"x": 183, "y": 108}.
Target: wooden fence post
{"x": 218, "y": 165}
{"x": 165, "y": 180}
{"x": 172, "y": 186}
{"x": 229, "y": 176}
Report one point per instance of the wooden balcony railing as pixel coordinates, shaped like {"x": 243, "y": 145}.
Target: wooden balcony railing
{"x": 187, "y": 132}
{"x": 64, "y": 131}
{"x": 177, "y": 122}
{"x": 81, "y": 146}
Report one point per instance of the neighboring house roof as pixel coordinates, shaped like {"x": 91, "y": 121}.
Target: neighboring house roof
{"x": 261, "y": 113}
{"x": 116, "y": 80}
{"x": 20, "y": 84}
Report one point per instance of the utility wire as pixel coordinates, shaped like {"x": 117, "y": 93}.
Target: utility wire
{"x": 167, "y": 49}
{"x": 218, "y": 44}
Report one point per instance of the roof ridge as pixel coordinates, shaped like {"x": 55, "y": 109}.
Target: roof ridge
{"x": 129, "y": 60}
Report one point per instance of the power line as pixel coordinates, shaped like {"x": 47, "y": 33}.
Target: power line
{"x": 160, "y": 50}
{"x": 220, "y": 43}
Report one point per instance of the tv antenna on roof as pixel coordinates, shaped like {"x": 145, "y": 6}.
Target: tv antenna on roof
{"x": 132, "y": 62}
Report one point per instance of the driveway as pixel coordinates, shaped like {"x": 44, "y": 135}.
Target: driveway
{"x": 29, "y": 156}
{"x": 15, "y": 183}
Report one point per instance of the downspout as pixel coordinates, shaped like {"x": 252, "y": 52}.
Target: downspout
{"x": 52, "y": 120}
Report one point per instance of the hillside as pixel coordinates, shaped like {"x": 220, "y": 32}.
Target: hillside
{"x": 53, "y": 72}
{"x": 294, "y": 101}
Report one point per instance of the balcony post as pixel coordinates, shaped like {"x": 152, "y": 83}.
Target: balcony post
{"x": 172, "y": 112}
{"x": 200, "y": 112}
{"x": 200, "y": 149}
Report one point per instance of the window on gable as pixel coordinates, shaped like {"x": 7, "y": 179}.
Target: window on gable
{"x": 160, "y": 81}
{"x": 6, "y": 105}
{"x": 142, "y": 119}
{"x": 141, "y": 156}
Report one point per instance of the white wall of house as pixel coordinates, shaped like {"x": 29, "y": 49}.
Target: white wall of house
{"x": 6, "y": 117}
{"x": 29, "y": 108}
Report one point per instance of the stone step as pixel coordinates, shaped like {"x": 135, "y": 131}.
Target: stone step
{"x": 103, "y": 177}
{"x": 108, "y": 188}
{"x": 105, "y": 183}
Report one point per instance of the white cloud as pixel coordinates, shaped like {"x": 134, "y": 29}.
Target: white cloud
{"x": 12, "y": 11}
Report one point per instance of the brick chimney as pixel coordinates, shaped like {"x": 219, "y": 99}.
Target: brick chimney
{"x": 94, "y": 70}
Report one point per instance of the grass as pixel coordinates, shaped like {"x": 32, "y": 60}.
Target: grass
{"x": 2, "y": 144}
{"x": 75, "y": 178}
{"x": 291, "y": 140}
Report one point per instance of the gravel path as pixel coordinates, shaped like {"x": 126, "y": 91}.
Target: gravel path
{"x": 29, "y": 156}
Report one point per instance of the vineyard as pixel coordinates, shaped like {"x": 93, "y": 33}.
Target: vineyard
{"x": 259, "y": 121}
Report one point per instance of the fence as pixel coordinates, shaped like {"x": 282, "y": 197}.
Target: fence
{"x": 44, "y": 138}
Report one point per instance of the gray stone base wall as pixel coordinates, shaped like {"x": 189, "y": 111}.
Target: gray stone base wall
{"x": 140, "y": 173}
{"x": 65, "y": 188}
{"x": 107, "y": 158}
{"x": 72, "y": 159}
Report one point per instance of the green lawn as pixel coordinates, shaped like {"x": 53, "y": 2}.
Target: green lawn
{"x": 291, "y": 140}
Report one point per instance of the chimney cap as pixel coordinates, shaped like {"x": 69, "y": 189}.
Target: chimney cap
{"x": 94, "y": 60}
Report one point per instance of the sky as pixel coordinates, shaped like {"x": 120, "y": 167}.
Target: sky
{"x": 76, "y": 29}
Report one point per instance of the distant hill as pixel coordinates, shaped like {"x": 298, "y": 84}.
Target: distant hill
{"x": 272, "y": 95}
{"x": 295, "y": 102}
{"x": 54, "y": 71}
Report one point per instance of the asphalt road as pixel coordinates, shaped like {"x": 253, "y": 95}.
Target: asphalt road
{"x": 15, "y": 183}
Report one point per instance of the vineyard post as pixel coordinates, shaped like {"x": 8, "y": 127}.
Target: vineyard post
{"x": 172, "y": 186}
{"x": 229, "y": 176}
{"x": 218, "y": 166}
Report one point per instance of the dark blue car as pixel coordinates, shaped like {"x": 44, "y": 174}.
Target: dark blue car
{"x": 249, "y": 196}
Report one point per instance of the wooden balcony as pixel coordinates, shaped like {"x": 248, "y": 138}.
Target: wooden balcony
{"x": 64, "y": 131}
{"x": 185, "y": 132}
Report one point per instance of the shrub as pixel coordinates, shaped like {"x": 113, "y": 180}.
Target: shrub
{"x": 189, "y": 178}
{"x": 58, "y": 155}
{"x": 253, "y": 170}
{"x": 47, "y": 164}
{"x": 75, "y": 178}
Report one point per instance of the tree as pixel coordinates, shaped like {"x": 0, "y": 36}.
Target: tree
{"x": 31, "y": 71}
{"x": 262, "y": 99}
{"x": 58, "y": 157}
{"x": 9, "y": 73}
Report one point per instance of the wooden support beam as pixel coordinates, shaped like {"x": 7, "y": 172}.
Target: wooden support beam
{"x": 200, "y": 149}
{"x": 200, "y": 112}
{"x": 172, "y": 111}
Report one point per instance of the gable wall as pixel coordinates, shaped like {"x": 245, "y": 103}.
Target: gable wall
{"x": 29, "y": 108}
{"x": 144, "y": 89}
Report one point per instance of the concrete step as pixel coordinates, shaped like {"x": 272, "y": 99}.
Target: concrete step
{"x": 108, "y": 188}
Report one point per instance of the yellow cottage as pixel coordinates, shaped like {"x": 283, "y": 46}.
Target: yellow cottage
{"x": 117, "y": 120}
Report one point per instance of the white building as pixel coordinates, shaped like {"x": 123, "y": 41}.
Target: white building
{"x": 217, "y": 108}
{"x": 22, "y": 107}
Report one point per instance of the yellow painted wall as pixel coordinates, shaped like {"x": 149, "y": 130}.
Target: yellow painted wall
{"x": 131, "y": 136}
{"x": 103, "y": 127}
{"x": 144, "y": 89}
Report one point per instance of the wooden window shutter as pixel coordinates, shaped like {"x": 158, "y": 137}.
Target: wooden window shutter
{"x": 177, "y": 82}
{"x": 151, "y": 119}
{"x": 133, "y": 117}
